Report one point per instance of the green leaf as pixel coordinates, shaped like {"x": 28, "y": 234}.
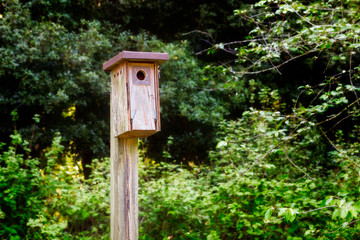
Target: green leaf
{"x": 221, "y": 144}
{"x": 354, "y": 211}
{"x": 268, "y": 213}
{"x": 344, "y": 213}
{"x": 336, "y": 213}
{"x": 328, "y": 201}
{"x": 290, "y": 215}
{"x": 36, "y": 118}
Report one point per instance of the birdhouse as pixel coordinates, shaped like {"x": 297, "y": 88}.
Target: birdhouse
{"x": 135, "y": 103}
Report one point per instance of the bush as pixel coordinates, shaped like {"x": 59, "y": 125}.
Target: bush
{"x": 266, "y": 181}
{"x": 55, "y": 201}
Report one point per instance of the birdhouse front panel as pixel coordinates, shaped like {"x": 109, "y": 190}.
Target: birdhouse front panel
{"x": 142, "y": 96}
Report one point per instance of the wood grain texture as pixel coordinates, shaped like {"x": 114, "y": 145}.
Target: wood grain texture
{"x": 124, "y": 188}
{"x": 142, "y": 98}
{"x": 157, "y": 96}
{"x": 119, "y": 100}
{"x": 135, "y": 103}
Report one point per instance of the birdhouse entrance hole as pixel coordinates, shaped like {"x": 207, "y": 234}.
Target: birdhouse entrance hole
{"x": 140, "y": 75}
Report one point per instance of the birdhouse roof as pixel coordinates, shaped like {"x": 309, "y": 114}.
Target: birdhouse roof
{"x": 136, "y": 57}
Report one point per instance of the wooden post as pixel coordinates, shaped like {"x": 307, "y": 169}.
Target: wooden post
{"x": 135, "y": 112}
{"x": 124, "y": 188}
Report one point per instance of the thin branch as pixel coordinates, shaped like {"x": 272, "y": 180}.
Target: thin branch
{"x": 259, "y": 159}
{"x": 298, "y": 97}
{"x": 246, "y": 41}
{"x": 277, "y": 69}
{"x": 316, "y": 96}
{"x": 339, "y": 113}
{"x": 350, "y": 76}
{"x": 31, "y": 140}
{"x": 297, "y": 166}
{"x": 333, "y": 145}
{"x": 277, "y": 66}
{"x": 347, "y": 224}
{"x": 297, "y": 13}
{"x": 347, "y": 116}
{"x": 317, "y": 209}
{"x": 198, "y": 31}
{"x": 204, "y": 50}
{"x": 312, "y": 210}
{"x": 237, "y": 42}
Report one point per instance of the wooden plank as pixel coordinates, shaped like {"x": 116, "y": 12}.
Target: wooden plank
{"x": 157, "y": 96}
{"x": 119, "y": 101}
{"x": 138, "y": 134}
{"x": 124, "y": 188}
{"x": 142, "y": 97}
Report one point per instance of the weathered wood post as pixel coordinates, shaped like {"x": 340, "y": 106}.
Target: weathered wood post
{"x": 135, "y": 113}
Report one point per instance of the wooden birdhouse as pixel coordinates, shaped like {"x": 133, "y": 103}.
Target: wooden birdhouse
{"x": 135, "y": 103}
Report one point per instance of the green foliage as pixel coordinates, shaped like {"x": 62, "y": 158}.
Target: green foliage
{"x": 312, "y": 44}
{"x": 270, "y": 177}
{"x": 77, "y": 210}
{"x": 190, "y": 110}
{"x": 263, "y": 182}
{"x": 50, "y": 72}
{"x": 170, "y": 203}
{"x": 54, "y": 202}
{"x": 19, "y": 193}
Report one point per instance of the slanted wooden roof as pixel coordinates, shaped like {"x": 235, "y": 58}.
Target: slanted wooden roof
{"x": 135, "y": 57}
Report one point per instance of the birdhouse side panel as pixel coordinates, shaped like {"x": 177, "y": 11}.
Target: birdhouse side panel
{"x": 143, "y": 111}
{"x": 157, "y": 96}
{"x": 119, "y": 100}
